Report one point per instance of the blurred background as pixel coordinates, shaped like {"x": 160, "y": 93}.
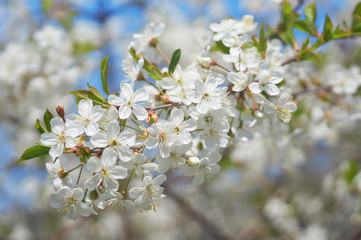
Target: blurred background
{"x": 307, "y": 186}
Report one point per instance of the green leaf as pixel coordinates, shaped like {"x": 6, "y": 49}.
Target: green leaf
{"x": 133, "y": 53}
{"x": 339, "y": 33}
{"x": 41, "y": 128}
{"x": 308, "y": 55}
{"x": 248, "y": 45}
{"x": 174, "y": 61}
{"x": 327, "y": 29}
{"x": 317, "y": 44}
{"x": 305, "y": 44}
{"x": 356, "y": 19}
{"x": 47, "y": 117}
{"x": 351, "y": 171}
{"x": 96, "y": 93}
{"x": 306, "y": 27}
{"x": 311, "y": 13}
{"x": 82, "y": 48}
{"x": 153, "y": 70}
{"x": 262, "y": 40}
{"x": 33, "y": 152}
{"x": 86, "y": 94}
{"x": 220, "y": 47}
{"x": 104, "y": 74}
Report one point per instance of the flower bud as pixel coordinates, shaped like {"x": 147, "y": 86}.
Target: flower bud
{"x": 60, "y": 111}
{"x": 62, "y": 173}
{"x": 153, "y": 42}
{"x": 193, "y": 161}
{"x": 206, "y": 62}
{"x": 152, "y": 117}
{"x": 165, "y": 98}
{"x": 258, "y": 114}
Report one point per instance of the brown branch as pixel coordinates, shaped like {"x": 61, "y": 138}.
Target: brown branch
{"x": 312, "y": 90}
{"x": 293, "y": 59}
{"x": 164, "y": 106}
{"x": 211, "y": 227}
{"x": 62, "y": 234}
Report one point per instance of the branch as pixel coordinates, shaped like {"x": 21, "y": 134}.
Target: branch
{"x": 293, "y": 59}
{"x": 198, "y": 216}
{"x": 164, "y": 106}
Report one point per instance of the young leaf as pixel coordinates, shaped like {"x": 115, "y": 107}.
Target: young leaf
{"x": 104, "y": 74}
{"x": 356, "y": 19}
{"x": 306, "y": 27}
{"x": 311, "y": 13}
{"x": 308, "y": 55}
{"x": 262, "y": 40}
{"x": 41, "y": 128}
{"x": 33, "y": 152}
{"x": 47, "y": 117}
{"x": 86, "y": 94}
{"x": 220, "y": 47}
{"x": 327, "y": 29}
{"x": 174, "y": 61}
{"x": 96, "y": 92}
{"x": 153, "y": 70}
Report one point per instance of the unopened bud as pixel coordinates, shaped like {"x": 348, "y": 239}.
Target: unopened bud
{"x": 152, "y": 117}
{"x": 258, "y": 114}
{"x": 165, "y": 98}
{"x": 140, "y": 77}
{"x": 206, "y": 62}
{"x": 153, "y": 42}
{"x": 323, "y": 95}
{"x": 193, "y": 161}
{"x": 62, "y": 173}
{"x": 60, "y": 111}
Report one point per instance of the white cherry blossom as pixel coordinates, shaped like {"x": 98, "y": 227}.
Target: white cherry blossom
{"x": 105, "y": 171}
{"x": 59, "y": 138}
{"x": 128, "y": 100}
{"x": 86, "y": 121}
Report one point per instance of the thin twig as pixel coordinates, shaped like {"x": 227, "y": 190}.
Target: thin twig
{"x": 163, "y": 54}
{"x": 198, "y": 216}
{"x": 164, "y": 106}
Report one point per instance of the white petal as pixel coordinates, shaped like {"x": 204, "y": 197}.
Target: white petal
{"x": 198, "y": 179}
{"x": 194, "y": 96}
{"x": 254, "y": 87}
{"x": 99, "y": 140}
{"x": 113, "y": 130}
{"x": 57, "y": 125}
{"x": 141, "y": 95}
{"x": 91, "y": 129}
{"x": 70, "y": 142}
{"x": 190, "y": 171}
{"x": 118, "y": 172}
{"x": 136, "y": 192}
{"x": 159, "y": 179}
{"x": 115, "y": 100}
{"x": 140, "y": 112}
{"x": 272, "y": 89}
{"x": 177, "y": 116}
{"x": 56, "y": 150}
{"x": 124, "y": 112}
{"x": 93, "y": 164}
{"x": 93, "y": 182}
{"x": 151, "y": 142}
{"x": 126, "y": 91}
{"x": 48, "y": 139}
{"x": 84, "y": 107}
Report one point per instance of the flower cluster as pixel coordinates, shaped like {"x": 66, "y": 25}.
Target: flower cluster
{"x": 186, "y": 118}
